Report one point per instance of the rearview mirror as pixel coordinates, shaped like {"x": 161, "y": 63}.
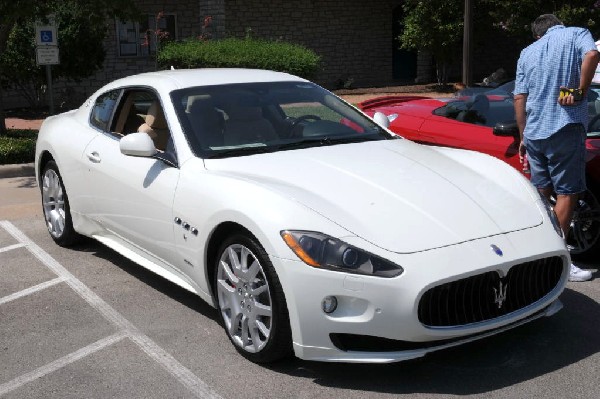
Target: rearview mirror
{"x": 381, "y": 119}
{"x": 506, "y": 129}
{"x": 138, "y": 145}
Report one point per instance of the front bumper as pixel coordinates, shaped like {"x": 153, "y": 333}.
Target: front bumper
{"x": 388, "y": 308}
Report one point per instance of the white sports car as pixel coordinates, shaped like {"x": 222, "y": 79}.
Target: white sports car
{"x": 312, "y": 229}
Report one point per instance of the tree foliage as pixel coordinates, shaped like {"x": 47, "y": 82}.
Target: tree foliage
{"x": 436, "y": 26}
{"x": 82, "y": 26}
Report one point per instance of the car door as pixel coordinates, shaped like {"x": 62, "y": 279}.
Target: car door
{"x": 133, "y": 195}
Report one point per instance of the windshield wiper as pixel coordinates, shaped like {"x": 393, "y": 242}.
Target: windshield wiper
{"x": 326, "y": 141}
{"x": 241, "y": 151}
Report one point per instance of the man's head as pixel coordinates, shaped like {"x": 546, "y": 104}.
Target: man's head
{"x": 543, "y": 23}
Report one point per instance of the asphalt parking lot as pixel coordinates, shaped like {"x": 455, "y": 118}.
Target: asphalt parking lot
{"x": 86, "y": 322}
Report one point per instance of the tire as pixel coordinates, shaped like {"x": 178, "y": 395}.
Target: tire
{"x": 583, "y": 239}
{"x": 55, "y": 203}
{"x": 250, "y": 301}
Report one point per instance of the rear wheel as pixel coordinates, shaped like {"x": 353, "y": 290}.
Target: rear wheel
{"x": 583, "y": 239}
{"x": 250, "y": 300}
{"x": 56, "y": 206}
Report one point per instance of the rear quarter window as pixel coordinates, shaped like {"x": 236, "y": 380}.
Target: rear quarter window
{"x": 103, "y": 109}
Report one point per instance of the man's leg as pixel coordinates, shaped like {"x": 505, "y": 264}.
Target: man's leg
{"x": 565, "y": 205}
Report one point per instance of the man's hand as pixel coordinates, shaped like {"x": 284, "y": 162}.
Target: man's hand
{"x": 569, "y": 96}
{"x": 522, "y": 151}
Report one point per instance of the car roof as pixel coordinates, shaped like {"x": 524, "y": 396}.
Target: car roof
{"x": 181, "y": 78}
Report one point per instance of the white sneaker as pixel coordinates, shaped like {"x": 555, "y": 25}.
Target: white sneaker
{"x": 576, "y": 274}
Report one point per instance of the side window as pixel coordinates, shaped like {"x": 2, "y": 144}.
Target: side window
{"x": 141, "y": 111}
{"x": 133, "y": 111}
{"x": 103, "y": 109}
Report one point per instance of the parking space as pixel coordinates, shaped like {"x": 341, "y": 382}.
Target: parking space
{"x": 65, "y": 322}
{"x": 86, "y": 322}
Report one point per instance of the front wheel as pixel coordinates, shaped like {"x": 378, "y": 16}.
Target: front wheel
{"x": 56, "y": 207}
{"x": 250, "y": 301}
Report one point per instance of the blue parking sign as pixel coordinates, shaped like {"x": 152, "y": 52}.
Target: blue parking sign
{"x": 46, "y": 36}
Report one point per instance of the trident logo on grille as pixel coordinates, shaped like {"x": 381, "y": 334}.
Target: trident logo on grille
{"x": 500, "y": 294}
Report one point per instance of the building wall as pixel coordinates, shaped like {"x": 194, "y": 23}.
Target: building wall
{"x": 69, "y": 94}
{"x": 353, "y": 38}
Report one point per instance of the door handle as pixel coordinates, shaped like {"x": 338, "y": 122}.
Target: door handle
{"x": 94, "y": 157}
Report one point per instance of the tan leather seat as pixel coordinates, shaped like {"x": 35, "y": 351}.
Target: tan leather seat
{"x": 246, "y": 125}
{"x": 156, "y": 126}
{"x": 205, "y": 120}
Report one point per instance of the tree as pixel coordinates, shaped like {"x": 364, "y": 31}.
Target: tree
{"x": 82, "y": 28}
{"x": 436, "y": 26}
{"x": 516, "y": 17}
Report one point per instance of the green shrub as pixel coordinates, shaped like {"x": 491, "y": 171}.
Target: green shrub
{"x": 240, "y": 53}
{"x": 18, "y": 146}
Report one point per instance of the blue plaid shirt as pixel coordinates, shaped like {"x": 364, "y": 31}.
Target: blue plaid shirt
{"x": 552, "y": 61}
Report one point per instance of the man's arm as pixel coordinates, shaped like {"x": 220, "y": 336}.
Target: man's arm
{"x": 588, "y": 69}
{"x": 519, "y": 102}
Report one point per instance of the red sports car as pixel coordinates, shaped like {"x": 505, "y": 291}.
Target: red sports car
{"x": 485, "y": 122}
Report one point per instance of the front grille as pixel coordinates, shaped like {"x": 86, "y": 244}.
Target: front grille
{"x": 477, "y": 298}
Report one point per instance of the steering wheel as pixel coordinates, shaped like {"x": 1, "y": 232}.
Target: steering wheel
{"x": 294, "y": 132}
{"x": 593, "y": 122}
{"x": 305, "y": 118}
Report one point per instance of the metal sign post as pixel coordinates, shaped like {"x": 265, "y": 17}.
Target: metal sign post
{"x": 46, "y": 52}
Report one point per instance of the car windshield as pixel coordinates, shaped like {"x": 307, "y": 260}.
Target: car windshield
{"x": 496, "y": 106}
{"x": 243, "y": 119}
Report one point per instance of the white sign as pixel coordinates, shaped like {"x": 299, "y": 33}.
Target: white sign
{"x": 47, "y": 55}
{"x": 45, "y": 34}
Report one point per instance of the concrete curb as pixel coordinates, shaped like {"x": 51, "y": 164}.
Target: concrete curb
{"x": 17, "y": 170}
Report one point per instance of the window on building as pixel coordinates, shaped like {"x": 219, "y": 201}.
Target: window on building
{"x": 140, "y": 38}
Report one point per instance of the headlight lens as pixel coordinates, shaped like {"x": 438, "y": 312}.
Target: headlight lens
{"x": 320, "y": 250}
{"x": 552, "y": 215}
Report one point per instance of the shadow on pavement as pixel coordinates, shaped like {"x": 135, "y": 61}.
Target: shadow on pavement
{"x": 519, "y": 355}
{"x": 522, "y": 354}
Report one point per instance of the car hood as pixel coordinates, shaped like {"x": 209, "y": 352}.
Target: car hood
{"x": 398, "y": 195}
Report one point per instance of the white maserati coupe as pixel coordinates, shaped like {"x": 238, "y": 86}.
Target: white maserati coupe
{"x": 312, "y": 229}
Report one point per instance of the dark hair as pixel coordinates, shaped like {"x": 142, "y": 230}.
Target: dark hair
{"x": 543, "y": 23}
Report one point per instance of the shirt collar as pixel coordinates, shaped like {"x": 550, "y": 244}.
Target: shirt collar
{"x": 554, "y": 28}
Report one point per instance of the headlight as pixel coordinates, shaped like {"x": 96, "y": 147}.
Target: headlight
{"x": 320, "y": 250}
{"x": 552, "y": 215}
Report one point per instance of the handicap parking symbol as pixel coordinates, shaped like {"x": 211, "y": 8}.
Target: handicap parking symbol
{"x": 46, "y": 36}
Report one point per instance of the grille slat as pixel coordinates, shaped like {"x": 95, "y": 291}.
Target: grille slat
{"x": 473, "y": 299}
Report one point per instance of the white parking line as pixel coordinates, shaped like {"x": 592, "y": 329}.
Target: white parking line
{"x": 31, "y": 290}
{"x": 11, "y": 247}
{"x": 168, "y": 362}
{"x": 60, "y": 363}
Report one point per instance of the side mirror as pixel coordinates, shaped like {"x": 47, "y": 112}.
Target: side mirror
{"x": 506, "y": 129}
{"x": 381, "y": 119}
{"x": 137, "y": 145}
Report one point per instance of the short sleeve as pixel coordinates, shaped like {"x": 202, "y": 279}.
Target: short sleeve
{"x": 521, "y": 79}
{"x": 584, "y": 42}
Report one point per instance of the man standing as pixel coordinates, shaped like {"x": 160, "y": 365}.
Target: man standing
{"x": 553, "y": 126}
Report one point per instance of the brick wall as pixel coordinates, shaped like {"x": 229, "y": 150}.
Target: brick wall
{"x": 71, "y": 94}
{"x": 354, "y": 38}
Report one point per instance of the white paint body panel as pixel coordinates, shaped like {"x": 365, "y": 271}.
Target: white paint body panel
{"x": 433, "y": 211}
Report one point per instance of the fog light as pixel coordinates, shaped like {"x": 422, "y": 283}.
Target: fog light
{"x": 329, "y": 304}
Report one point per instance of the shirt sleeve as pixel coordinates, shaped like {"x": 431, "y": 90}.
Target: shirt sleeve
{"x": 521, "y": 79}
{"x": 584, "y": 42}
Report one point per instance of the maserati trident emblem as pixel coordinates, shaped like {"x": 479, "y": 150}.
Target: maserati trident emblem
{"x": 497, "y": 250}
{"x": 500, "y": 294}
